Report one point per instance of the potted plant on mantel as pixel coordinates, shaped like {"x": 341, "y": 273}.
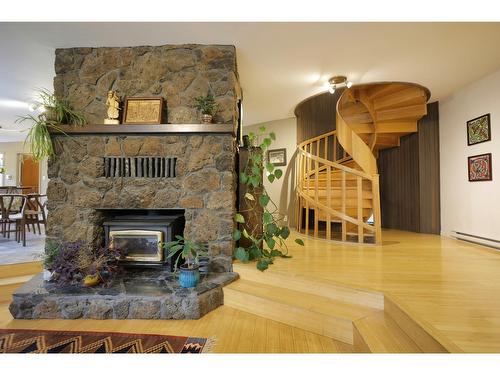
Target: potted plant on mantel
{"x": 207, "y": 106}
{"x": 191, "y": 252}
{"x": 55, "y": 113}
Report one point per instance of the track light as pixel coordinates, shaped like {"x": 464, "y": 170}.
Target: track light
{"x": 336, "y": 82}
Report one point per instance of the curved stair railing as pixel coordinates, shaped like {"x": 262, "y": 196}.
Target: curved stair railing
{"x": 337, "y": 176}
{"x": 325, "y": 156}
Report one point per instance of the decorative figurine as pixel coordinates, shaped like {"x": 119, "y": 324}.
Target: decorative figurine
{"x": 113, "y": 103}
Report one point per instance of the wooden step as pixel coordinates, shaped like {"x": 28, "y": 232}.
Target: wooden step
{"x": 350, "y": 211}
{"x": 379, "y": 333}
{"x": 378, "y": 91}
{"x": 351, "y": 192}
{"x": 20, "y": 269}
{"x": 409, "y": 112}
{"x": 337, "y": 203}
{"x": 408, "y": 96}
{"x": 9, "y": 285}
{"x": 321, "y": 315}
{"x": 311, "y": 285}
{"x": 397, "y": 127}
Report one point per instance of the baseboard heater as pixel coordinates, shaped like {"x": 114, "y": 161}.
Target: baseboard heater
{"x": 490, "y": 242}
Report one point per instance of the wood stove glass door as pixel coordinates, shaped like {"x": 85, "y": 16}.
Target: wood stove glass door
{"x": 138, "y": 245}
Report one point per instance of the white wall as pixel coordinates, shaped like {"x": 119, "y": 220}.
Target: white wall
{"x": 10, "y": 150}
{"x": 282, "y": 191}
{"x": 469, "y": 207}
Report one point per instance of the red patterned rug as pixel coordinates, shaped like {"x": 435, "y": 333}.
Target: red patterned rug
{"x": 42, "y": 341}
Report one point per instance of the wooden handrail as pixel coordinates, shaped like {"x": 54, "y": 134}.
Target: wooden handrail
{"x": 336, "y": 165}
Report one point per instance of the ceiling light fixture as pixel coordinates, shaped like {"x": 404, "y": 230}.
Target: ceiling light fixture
{"x": 337, "y": 82}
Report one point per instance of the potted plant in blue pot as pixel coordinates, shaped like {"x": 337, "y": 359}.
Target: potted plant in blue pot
{"x": 190, "y": 252}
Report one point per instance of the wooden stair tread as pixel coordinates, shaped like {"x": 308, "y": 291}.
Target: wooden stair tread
{"x": 381, "y": 334}
{"x": 20, "y": 269}
{"x": 305, "y": 301}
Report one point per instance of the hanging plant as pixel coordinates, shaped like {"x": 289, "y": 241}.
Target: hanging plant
{"x": 266, "y": 241}
{"x": 55, "y": 112}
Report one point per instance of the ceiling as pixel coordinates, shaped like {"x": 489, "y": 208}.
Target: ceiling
{"x": 279, "y": 64}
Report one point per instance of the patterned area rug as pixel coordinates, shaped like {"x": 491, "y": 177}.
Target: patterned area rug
{"x": 41, "y": 341}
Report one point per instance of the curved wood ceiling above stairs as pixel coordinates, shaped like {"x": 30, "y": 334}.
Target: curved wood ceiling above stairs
{"x": 337, "y": 177}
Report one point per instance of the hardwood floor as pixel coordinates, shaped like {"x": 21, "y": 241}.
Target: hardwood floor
{"x": 450, "y": 286}
{"x": 235, "y": 331}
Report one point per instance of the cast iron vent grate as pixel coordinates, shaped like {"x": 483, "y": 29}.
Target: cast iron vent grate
{"x": 150, "y": 167}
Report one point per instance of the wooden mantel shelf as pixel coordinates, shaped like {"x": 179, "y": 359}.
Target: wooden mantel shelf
{"x": 90, "y": 129}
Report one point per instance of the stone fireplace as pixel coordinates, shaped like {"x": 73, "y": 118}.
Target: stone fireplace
{"x": 79, "y": 191}
{"x": 180, "y": 166}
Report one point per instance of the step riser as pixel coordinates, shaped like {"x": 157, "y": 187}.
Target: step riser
{"x": 7, "y": 290}
{"x": 324, "y": 289}
{"x": 417, "y": 333}
{"x": 329, "y": 326}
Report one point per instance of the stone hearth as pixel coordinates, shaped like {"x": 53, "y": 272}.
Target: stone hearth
{"x": 137, "y": 295}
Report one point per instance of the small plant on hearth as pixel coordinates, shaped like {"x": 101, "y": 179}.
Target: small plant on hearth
{"x": 55, "y": 112}
{"x": 190, "y": 252}
{"x": 207, "y": 106}
{"x": 65, "y": 266}
{"x": 99, "y": 265}
{"x": 271, "y": 233}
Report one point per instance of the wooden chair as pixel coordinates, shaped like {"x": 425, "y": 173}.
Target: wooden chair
{"x": 33, "y": 213}
{"x": 11, "y": 207}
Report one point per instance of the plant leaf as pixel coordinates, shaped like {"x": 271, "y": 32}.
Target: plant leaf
{"x": 271, "y": 229}
{"x": 245, "y": 233}
{"x": 299, "y": 241}
{"x": 241, "y": 254}
{"x": 249, "y": 196}
{"x": 276, "y": 253}
{"x": 262, "y": 265}
{"x": 264, "y": 200}
{"x": 272, "y": 135}
{"x": 236, "y": 235}
{"x": 285, "y": 232}
{"x": 271, "y": 243}
{"x": 270, "y": 167}
{"x": 243, "y": 178}
{"x": 262, "y": 129}
{"x": 267, "y": 217}
{"x": 278, "y": 173}
{"x": 255, "y": 253}
{"x": 271, "y": 178}
{"x": 239, "y": 218}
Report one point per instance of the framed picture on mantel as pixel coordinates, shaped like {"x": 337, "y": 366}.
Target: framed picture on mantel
{"x": 143, "y": 111}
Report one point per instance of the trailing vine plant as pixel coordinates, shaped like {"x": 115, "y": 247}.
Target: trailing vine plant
{"x": 264, "y": 241}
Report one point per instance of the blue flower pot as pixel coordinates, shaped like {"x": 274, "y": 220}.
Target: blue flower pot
{"x": 189, "y": 277}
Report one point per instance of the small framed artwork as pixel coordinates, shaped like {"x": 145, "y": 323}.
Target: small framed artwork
{"x": 277, "y": 157}
{"x": 480, "y": 167}
{"x": 478, "y": 130}
{"x": 143, "y": 111}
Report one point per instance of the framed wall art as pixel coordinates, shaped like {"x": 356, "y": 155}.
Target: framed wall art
{"x": 479, "y": 167}
{"x": 478, "y": 130}
{"x": 277, "y": 157}
{"x": 143, "y": 111}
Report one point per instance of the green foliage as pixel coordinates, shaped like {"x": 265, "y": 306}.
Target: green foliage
{"x": 188, "y": 250}
{"x": 206, "y": 104}
{"x": 272, "y": 234}
{"x": 56, "y": 112}
{"x": 50, "y": 254}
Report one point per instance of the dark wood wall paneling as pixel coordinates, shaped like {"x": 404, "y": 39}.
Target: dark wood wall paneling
{"x": 409, "y": 179}
{"x": 316, "y": 115}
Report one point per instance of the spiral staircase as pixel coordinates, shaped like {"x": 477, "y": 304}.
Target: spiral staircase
{"x": 337, "y": 179}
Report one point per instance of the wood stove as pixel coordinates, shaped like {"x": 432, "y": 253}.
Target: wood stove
{"x": 139, "y": 235}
